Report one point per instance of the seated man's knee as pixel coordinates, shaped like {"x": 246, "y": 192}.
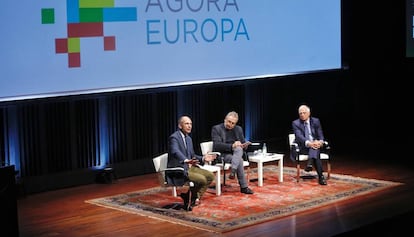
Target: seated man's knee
{"x": 238, "y": 151}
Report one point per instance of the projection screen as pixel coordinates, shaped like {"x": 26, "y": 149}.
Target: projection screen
{"x": 68, "y": 47}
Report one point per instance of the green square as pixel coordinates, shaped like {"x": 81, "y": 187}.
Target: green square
{"x": 73, "y": 45}
{"x": 48, "y": 16}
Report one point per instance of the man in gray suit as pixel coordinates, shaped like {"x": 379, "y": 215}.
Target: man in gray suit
{"x": 228, "y": 139}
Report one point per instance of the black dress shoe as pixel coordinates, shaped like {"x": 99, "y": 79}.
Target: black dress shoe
{"x": 246, "y": 190}
{"x": 322, "y": 180}
{"x": 308, "y": 168}
{"x": 185, "y": 198}
{"x": 194, "y": 201}
{"x": 232, "y": 176}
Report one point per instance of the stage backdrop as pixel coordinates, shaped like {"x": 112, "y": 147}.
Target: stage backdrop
{"x": 64, "y": 47}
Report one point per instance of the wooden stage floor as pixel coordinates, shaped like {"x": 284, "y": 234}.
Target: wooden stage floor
{"x": 64, "y": 212}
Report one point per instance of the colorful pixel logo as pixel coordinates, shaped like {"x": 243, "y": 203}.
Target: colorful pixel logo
{"x": 85, "y": 18}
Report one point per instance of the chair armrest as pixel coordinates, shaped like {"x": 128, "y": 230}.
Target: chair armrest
{"x": 326, "y": 145}
{"x": 175, "y": 176}
{"x": 174, "y": 169}
{"x": 295, "y": 146}
{"x": 173, "y": 173}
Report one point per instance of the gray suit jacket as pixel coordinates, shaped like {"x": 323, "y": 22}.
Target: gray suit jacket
{"x": 218, "y": 136}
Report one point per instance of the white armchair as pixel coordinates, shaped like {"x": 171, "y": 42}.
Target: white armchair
{"x": 324, "y": 156}
{"x": 207, "y": 147}
{"x": 171, "y": 177}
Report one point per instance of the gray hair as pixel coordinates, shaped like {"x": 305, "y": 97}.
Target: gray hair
{"x": 304, "y": 107}
{"x": 233, "y": 114}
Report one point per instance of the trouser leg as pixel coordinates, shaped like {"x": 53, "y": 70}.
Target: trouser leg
{"x": 202, "y": 179}
{"x": 318, "y": 166}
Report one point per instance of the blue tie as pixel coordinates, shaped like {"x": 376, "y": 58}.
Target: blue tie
{"x": 187, "y": 147}
{"x": 307, "y": 131}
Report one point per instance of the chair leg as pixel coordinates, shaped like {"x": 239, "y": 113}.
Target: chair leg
{"x": 329, "y": 169}
{"x": 174, "y": 191}
{"x": 224, "y": 185}
{"x": 190, "y": 194}
{"x": 224, "y": 176}
{"x": 297, "y": 172}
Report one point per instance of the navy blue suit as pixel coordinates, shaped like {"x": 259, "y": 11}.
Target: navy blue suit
{"x": 300, "y": 138}
{"x": 178, "y": 153}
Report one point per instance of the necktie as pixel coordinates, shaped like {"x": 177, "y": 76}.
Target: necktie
{"x": 187, "y": 146}
{"x": 308, "y": 134}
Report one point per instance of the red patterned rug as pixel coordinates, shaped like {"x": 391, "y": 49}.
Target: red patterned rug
{"x": 234, "y": 210}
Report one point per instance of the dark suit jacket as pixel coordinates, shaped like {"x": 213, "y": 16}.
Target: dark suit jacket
{"x": 177, "y": 152}
{"x": 299, "y": 130}
{"x": 218, "y": 136}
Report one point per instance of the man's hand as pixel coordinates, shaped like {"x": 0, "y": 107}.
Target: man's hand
{"x": 317, "y": 144}
{"x": 194, "y": 161}
{"x": 246, "y": 144}
{"x": 236, "y": 144}
{"x": 210, "y": 157}
{"x": 242, "y": 145}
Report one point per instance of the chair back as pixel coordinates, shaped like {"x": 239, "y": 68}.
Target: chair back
{"x": 160, "y": 164}
{"x": 291, "y": 139}
{"x": 206, "y": 147}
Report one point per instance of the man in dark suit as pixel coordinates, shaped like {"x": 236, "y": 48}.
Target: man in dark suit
{"x": 228, "y": 139}
{"x": 310, "y": 139}
{"x": 181, "y": 154}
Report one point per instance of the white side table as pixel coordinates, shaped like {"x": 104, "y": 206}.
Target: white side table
{"x": 262, "y": 158}
{"x": 217, "y": 171}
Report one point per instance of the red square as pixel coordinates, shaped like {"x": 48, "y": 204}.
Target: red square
{"x": 74, "y": 59}
{"x": 109, "y": 43}
{"x": 61, "y": 45}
